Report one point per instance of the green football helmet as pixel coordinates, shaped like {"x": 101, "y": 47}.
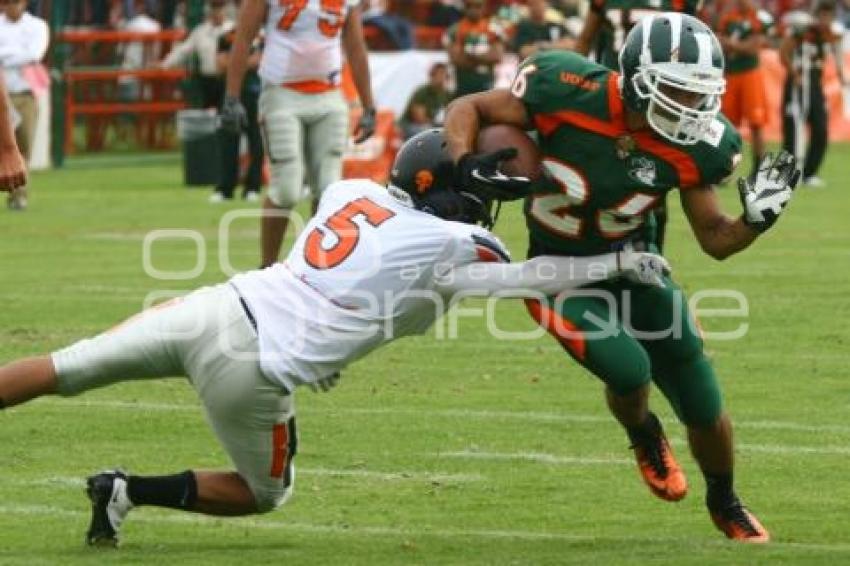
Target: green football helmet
{"x": 671, "y": 68}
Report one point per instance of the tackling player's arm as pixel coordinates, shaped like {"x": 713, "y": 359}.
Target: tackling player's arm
{"x": 354, "y": 46}
{"x": 13, "y": 172}
{"x": 550, "y": 275}
{"x": 718, "y": 234}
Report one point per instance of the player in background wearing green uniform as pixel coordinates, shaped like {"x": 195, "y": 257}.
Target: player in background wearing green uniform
{"x": 613, "y": 144}
{"x": 605, "y": 28}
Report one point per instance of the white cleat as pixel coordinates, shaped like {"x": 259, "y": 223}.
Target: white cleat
{"x": 814, "y": 182}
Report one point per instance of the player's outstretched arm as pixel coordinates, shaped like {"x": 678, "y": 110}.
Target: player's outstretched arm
{"x": 764, "y": 195}
{"x": 719, "y": 235}
{"x": 13, "y": 172}
{"x": 550, "y": 275}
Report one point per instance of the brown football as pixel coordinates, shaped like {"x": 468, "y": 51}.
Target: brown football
{"x": 526, "y": 163}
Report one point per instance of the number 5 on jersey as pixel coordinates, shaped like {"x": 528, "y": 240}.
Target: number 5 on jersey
{"x": 341, "y": 224}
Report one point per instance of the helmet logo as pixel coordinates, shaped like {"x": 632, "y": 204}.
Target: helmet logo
{"x": 424, "y": 180}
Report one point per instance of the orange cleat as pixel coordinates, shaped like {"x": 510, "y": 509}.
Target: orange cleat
{"x": 737, "y": 523}
{"x": 658, "y": 466}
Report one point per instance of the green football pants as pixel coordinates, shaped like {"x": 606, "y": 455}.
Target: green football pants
{"x": 628, "y": 334}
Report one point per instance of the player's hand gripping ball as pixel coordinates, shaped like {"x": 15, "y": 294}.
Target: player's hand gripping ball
{"x": 505, "y": 163}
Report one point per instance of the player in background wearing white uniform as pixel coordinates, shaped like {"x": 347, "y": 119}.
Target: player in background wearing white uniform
{"x": 373, "y": 265}
{"x": 302, "y": 111}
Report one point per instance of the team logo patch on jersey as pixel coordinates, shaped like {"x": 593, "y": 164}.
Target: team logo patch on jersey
{"x": 714, "y": 133}
{"x": 424, "y": 180}
{"x": 642, "y": 170}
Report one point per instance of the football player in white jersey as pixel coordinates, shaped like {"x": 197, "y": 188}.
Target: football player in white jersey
{"x": 373, "y": 265}
{"x": 302, "y": 111}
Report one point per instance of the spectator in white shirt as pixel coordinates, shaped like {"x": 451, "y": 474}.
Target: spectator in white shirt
{"x": 137, "y": 54}
{"x": 203, "y": 42}
{"x": 23, "y": 43}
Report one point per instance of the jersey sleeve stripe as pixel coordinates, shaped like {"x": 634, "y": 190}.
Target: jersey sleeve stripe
{"x": 548, "y": 123}
{"x": 613, "y": 127}
{"x": 615, "y": 101}
{"x": 489, "y": 250}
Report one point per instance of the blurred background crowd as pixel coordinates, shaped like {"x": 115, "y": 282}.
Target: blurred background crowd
{"x": 118, "y": 71}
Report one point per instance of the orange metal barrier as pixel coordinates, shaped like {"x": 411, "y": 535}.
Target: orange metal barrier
{"x": 161, "y": 84}
{"x": 93, "y": 92}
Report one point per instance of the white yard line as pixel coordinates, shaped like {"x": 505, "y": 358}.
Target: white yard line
{"x": 539, "y": 457}
{"x": 421, "y": 531}
{"x": 401, "y": 475}
{"x": 532, "y": 416}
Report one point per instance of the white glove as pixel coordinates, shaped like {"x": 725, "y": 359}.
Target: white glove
{"x": 765, "y": 193}
{"x": 325, "y": 384}
{"x": 644, "y": 268}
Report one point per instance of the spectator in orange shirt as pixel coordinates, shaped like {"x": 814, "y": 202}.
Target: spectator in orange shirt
{"x": 741, "y": 30}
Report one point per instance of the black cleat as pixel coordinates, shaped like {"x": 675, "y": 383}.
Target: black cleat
{"x": 738, "y": 523}
{"x": 109, "y": 505}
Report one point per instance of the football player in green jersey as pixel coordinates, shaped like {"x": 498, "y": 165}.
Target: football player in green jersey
{"x": 605, "y": 28}
{"x": 612, "y": 145}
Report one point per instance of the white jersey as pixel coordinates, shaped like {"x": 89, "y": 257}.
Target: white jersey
{"x": 303, "y": 41}
{"x": 361, "y": 273}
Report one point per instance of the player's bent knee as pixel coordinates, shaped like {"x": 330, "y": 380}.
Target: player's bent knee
{"x": 283, "y": 194}
{"x": 269, "y": 499}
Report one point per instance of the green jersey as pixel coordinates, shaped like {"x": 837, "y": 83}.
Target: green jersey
{"x": 618, "y": 18}
{"x": 475, "y": 38}
{"x": 602, "y": 178}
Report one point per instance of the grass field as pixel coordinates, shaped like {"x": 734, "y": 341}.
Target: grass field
{"x": 469, "y": 451}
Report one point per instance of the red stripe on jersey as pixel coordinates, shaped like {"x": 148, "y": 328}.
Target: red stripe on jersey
{"x": 564, "y": 331}
{"x": 280, "y": 439}
{"x": 613, "y": 127}
{"x": 548, "y": 123}
{"x": 681, "y": 161}
{"x": 615, "y": 101}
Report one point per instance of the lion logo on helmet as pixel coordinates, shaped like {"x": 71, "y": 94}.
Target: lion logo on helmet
{"x": 424, "y": 180}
